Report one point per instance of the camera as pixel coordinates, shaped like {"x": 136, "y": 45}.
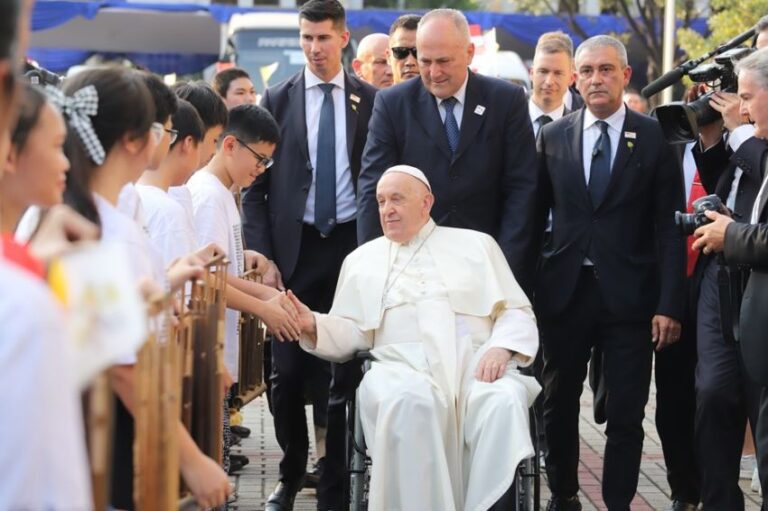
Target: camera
{"x": 680, "y": 121}
{"x": 689, "y": 222}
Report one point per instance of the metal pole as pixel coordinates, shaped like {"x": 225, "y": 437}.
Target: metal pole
{"x": 668, "y": 57}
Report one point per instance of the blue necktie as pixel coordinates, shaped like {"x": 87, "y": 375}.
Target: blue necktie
{"x": 451, "y": 126}
{"x": 600, "y": 170}
{"x": 325, "y": 173}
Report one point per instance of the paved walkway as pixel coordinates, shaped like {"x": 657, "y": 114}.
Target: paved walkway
{"x": 257, "y": 480}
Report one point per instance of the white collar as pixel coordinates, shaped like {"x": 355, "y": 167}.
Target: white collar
{"x": 312, "y": 80}
{"x": 460, "y": 94}
{"x": 615, "y": 120}
{"x": 537, "y": 112}
{"x": 421, "y": 236}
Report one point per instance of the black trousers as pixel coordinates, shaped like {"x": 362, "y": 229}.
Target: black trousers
{"x": 294, "y": 370}
{"x": 761, "y": 444}
{"x": 675, "y": 410}
{"x": 725, "y": 399}
{"x": 567, "y": 340}
{"x": 675, "y": 414}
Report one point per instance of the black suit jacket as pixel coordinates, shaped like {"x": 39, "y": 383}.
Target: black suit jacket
{"x": 717, "y": 167}
{"x": 273, "y": 207}
{"x": 488, "y": 185}
{"x": 638, "y": 252}
{"x": 747, "y": 244}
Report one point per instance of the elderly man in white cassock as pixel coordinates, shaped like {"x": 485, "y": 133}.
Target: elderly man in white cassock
{"x": 444, "y": 408}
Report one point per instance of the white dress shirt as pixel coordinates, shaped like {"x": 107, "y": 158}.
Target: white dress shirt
{"x": 458, "y": 108}
{"x": 346, "y": 208}
{"x": 689, "y": 169}
{"x": 535, "y": 112}
{"x": 592, "y": 133}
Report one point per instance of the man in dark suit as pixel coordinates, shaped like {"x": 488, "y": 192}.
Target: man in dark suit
{"x": 302, "y": 214}
{"x": 741, "y": 237}
{"x": 612, "y": 273}
{"x": 469, "y": 133}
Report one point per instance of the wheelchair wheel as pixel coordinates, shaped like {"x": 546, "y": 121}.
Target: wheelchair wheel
{"x": 528, "y": 478}
{"x": 527, "y": 489}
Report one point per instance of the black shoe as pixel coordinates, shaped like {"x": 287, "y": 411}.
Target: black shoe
{"x": 679, "y": 505}
{"x": 283, "y": 496}
{"x": 313, "y": 476}
{"x": 235, "y": 466}
{"x": 240, "y": 431}
{"x": 239, "y": 458}
{"x": 235, "y": 440}
{"x": 560, "y": 504}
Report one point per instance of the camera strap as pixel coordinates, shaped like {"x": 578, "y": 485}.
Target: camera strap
{"x": 730, "y": 288}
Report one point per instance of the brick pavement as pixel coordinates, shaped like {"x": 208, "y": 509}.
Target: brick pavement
{"x": 258, "y": 479}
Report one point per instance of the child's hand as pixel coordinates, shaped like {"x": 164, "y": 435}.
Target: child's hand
{"x": 281, "y": 318}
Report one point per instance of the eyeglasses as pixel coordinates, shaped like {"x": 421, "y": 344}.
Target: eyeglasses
{"x": 260, "y": 159}
{"x": 401, "y": 52}
{"x": 173, "y": 133}
{"x": 158, "y": 130}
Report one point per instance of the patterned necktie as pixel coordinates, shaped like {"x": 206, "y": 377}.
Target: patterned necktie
{"x": 600, "y": 170}
{"x": 451, "y": 126}
{"x": 325, "y": 173}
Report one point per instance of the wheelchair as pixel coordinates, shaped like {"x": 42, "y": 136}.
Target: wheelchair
{"x": 526, "y": 487}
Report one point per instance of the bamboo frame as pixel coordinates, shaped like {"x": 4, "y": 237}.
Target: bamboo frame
{"x": 251, "y": 364}
{"x": 156, "y": 443}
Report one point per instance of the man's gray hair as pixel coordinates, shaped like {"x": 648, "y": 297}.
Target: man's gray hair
{"x": 602, "y": 41}
{"x": 757, "y": 64}
{"x": 456, "y": 16}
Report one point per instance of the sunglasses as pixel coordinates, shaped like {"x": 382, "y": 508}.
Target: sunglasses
{"x": 260, "y": 159}
{"x": 401, "y": 52}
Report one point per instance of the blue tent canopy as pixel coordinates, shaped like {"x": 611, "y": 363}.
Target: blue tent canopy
{"x": 48, "y": 14}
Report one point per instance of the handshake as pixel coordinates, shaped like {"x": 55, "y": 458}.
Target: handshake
{"x": 288, "y": 318}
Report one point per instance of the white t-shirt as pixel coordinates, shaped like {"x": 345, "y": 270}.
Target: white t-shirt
{"x": 129, "y": 203}
{"x": 42, "y": 443}
{"x": 182, "y": 195}
{"x": 217, "y": 220}
{"x": 170, "y": 229}
{"x": 116, "y": 227}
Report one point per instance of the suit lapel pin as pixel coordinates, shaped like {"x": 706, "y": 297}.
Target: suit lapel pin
{"x": 354, "y": 98}
{"x": 630, "y": 134}
{"x": 630, "y": 145}
{"x": 479, "y": 110}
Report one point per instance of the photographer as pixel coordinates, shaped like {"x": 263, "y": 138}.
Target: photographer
{"x": 743, "y": 240}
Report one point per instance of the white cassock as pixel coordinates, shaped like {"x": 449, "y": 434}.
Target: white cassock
{"x": 429, "y": 309}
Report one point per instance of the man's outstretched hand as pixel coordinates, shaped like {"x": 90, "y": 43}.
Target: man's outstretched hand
{"x": 306, "y": 318}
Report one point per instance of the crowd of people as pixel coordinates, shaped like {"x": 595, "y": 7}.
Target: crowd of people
{"x": 492, "y": 247}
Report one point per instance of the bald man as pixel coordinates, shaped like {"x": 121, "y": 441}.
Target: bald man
{"x": 448, "y": 326}
{"x": 470, "y": 133}
{"x": 371, "y": 64}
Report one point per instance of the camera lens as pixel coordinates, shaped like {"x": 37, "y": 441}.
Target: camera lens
{"x": 686, "y": 222}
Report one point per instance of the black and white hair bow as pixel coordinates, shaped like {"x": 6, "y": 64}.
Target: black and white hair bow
{"x": 78, "y": 109}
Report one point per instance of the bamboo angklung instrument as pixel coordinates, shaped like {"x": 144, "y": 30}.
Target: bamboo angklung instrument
{"x": 207, "y": 301}
{"x": 98, "y": 411}
{"x": 156, "y": 443}
{"x": 251, "y": 364}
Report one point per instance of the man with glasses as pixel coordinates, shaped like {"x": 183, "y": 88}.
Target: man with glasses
{"x": 301, "y": 213}
{"x": 402, "y": 48}
{"x": 470, "y": 133}
{"x": 371, "y": 63}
